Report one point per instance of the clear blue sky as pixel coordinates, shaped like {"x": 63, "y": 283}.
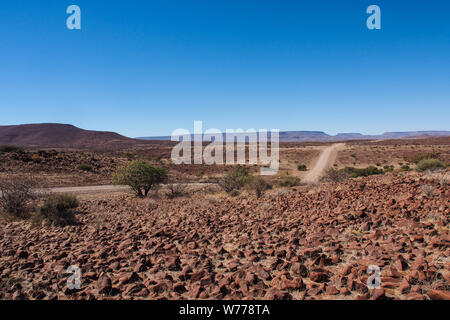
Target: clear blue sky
{"x": 148, "y": 67}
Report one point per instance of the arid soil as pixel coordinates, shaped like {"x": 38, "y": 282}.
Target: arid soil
{"x": 61, "y": 168}
{"x": 307, "y": 242}
{"x": 391, "y": 152}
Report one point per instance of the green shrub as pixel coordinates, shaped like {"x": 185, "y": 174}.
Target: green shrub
{"x": 235, "y": 179}
{"x": 58, "y": 209}
{"x": 388, "y": 168}
{"x": 234, "y": 193}
{"x": 302, "y": 167}
{"x": 288, "y": 181}
{"x": 84, "y": 167}
{"x": 362, "y": 172}
{"x": 140, "y": 176}
{"x": 405, "y": 167}
{"x": 431, "y": 155}
{"x": 429, "y": 164}
{"x": 10, "y": 148}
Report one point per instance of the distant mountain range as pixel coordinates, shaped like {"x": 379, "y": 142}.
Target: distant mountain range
{"x": 61, "y": 136}
{"x": 320, "y": 136}
{"x": 68, "y": 136}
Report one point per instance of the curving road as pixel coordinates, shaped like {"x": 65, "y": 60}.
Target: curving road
{"x": 325, "y": 161}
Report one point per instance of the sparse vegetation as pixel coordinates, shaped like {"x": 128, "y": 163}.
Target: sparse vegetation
{"x": 428, "y": 190}
{"x": 84, "y": 167}
{"x": 426, "y": 156}
{"x": 334, "y": 175}
{"x": 362, "y": 172}
{"x": 259, "y": 185}
{"x": 405, "y": 168}
{"x": 16, "y": 193}
{"x": 302, "y": 167}
{"x": 236, "y": 179}
{"x": 175, "y": 190}
{"x": 58, "y": 210}
{"x": 6, "y": 148}
{"x": 429, "y": 164}
{"x": 288, "y": 181}
{"x": 140, "y": 176}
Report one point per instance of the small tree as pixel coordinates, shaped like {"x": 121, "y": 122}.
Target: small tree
{"x": 140, "y": 176}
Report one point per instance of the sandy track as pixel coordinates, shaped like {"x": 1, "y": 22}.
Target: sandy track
{"x": 325, "y": 161}
{"x": 103, "y": 188}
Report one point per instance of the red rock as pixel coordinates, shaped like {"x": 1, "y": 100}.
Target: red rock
{"x": 378, "y": 294}
{"x": 173, "y": 263}
{"x": 438, "y": 294}
{"x": 299, "y": 269}
{"x": 104, "y": 285}
{"x": 295, "y": 284}
{"x": 115, "y": 265}
{"x": 331, "y": 290}
{"x": 179, "y": 288}
{"x": 318, "y": 276}
{"x": 276, "y": 294}
{"x": 251, "y": 278}
{"x": 364, "y": 296}
{"x": 196, "y": 276}
{"x": 446, "y": 276}
{"x": 192, "y": 245}
{"x": 404, "y": 286}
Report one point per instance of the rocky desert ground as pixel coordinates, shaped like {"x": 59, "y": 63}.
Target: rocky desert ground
{"x": 308, "y": 241}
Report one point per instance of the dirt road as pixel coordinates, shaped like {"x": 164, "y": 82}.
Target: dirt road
{"x": 325, "y": 161}
{"x": 104, "y": 188}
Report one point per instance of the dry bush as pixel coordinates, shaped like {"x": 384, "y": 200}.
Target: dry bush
{"x": 176, "y": 190}
{"x": 16, "y": 192}
{"x": 259, "y": 185}
{"x": 212, "y": 199}
{"x": 278, "y": 193}
{"x": 335, "y": 176}
{"x": 289, "y": 181}
{"x": 264, "y": 210}
{"x": 150, "y": 204}
{"x": 235, "y": 179}
{"x": 58, "y": 210}
{"x": 428, "y": 190}
{"x": 429, "y": 164}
